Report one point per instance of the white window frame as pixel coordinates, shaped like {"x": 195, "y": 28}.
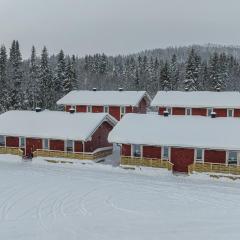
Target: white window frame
{"x": 4, "y": 137}
{"x": 186, "y": 110}
{"x": 162, "y": 153}
{"x": 20, "y": 142}
{"x": 169, "y": 109}
{"x": 106, "y": 108}
{"x": 195, "y": 155}
{"x": 73, "y": 145}
{"x": 122, "y": 113}
{"x": 230, "y": 109}
{"x": 211, "y": 110}
{"x": 43, "y": 143}
{"x": 238, "y": 155}
{"x": 89, "y": 108}
{"x": 141, "y": 151}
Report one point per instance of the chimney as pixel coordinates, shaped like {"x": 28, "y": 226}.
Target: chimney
{"x": 94, "y": 89}
{"x": 186, "y": 89}
{"x": 218, "y": 89}
{"x": 213, "y": 114}
{"x": 72, "y": 110}
{"x": 38, "y": 109}
{"x": 165, "y": 113}
{"x": 120, "y": 89}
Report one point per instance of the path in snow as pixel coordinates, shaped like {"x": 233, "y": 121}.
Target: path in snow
{"x": 98, "y": 202}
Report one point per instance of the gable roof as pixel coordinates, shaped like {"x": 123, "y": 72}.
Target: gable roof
{"x": 178, "y": 131}
{"x": 197, "y": 99}
{"x": 52, "y": 124}
{"x": 104, "y": 98}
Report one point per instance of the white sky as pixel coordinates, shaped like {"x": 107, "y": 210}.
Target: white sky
{"x": 117, "y": 26}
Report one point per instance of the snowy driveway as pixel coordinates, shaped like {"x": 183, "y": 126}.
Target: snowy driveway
{"x": 52, "y": 202}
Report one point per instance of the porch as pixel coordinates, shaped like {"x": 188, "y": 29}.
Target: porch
{"x": 11, "y": 150}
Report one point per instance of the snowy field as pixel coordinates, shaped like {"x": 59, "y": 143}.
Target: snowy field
{"x": 47, "y": 201}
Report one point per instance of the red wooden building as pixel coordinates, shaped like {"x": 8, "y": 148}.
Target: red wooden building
{"x": 56, "y": 132}
{"x": 182, "y": 141}
{"x": 116, "y": 103}
{"x": 202, "y": 103}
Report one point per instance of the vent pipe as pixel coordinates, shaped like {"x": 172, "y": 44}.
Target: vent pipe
{"x": 120, "y": 89}
{"x": 165, "y": 113}
{"x": 38, "y": 109}
{"x": 213, "y": 114}
{"x": 94, "y": 89}
{"x": 72, "y": 110}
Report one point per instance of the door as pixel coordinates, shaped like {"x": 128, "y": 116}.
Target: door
{"x": 32, "y": 145}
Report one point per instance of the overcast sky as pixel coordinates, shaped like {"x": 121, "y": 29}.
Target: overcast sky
{"x": 117, "y": 26}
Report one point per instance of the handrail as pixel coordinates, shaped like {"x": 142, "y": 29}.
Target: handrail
{"x": 11, "y": 150}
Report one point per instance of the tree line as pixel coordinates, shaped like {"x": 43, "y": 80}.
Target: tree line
{"x": 42, "y": 79}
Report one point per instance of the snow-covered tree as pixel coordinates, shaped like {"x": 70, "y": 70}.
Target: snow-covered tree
{"x": 165, "y": 77}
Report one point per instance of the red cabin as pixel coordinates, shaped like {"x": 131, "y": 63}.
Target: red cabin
{"x": 181, "y": 141}
{"x": 200, "y": 103}
{"x": 56, "y": 132}
{"x": 116, "y": 103}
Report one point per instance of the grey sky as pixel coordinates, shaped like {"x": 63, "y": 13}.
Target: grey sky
{"x": 117, "y": 26}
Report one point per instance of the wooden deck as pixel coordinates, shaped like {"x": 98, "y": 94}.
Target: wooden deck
{"x": 146, "y": 162}
{"x": 11, "y": 150}
{"x": 214, "y": 168}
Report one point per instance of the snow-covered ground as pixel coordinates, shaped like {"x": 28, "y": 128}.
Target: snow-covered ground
{"x": 47, "y": 201}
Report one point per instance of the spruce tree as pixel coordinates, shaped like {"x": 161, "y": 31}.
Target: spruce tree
{"x": 165, "y": 77}
{"x": 174, "y": 73}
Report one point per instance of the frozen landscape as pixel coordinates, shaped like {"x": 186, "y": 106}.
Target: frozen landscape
{"x": 46, "y": 201}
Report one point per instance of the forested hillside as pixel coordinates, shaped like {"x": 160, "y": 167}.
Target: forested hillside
{"x": 42, "y": 79}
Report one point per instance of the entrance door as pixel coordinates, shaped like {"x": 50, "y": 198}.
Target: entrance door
{"x": 32, "y": 145}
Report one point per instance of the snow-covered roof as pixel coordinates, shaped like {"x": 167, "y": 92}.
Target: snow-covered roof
{"x": 197, "y": 99}
{"x": 52, "y": 124}
{"x": 102, "y": 98}
{"x": 179, "y": 131}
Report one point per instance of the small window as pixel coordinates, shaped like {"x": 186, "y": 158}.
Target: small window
{"x": 2, "y": 141}
{"x": 89, "y": 108}
{"x": 45, "y": 144}
{"x": 230, "y": 112}
{"x": 22, "y": 142}
{"x": 232, "y": 157}
{"x": 165, "y": 153}
{"x": 106, "y": 109}
{"x": 122, "y": 111}
{"x": 188, "y": 111}
{"x": 169, "y": 110}
{"x": 199, "y": 155}
{"x": 209, "y": 111}
{"x": 136, "y": 150}
{"x": 69, "y": 146}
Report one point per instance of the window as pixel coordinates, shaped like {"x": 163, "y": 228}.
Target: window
{"x": 165, "y": 153}
{"x": 169, "y": 110}
{"x": 89, "y": 108}
{"x": 2, "y": 141}
{"x": 106, "y": 109}
{"x": 122, "y": 111}
{"x": 69, "y": 146}
{"x": 209, "y": 111}
{"x": 230, "y": 112}
{"x": 232, "y": 157}
{"x": 199, "y": 155}
{"x": 22, "y": 142}
{"x": 188, "y": 111}
{"x": 136, "y": 150}
{"x": 45, "y": 144}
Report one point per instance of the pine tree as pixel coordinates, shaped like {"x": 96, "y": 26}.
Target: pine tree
{"x": 214, "y": 73}
{"x": 174, "y": 73}
{"x": 4, "y": 97}
{"x": 47, "y": 97}
{"x": 165, "y": 77}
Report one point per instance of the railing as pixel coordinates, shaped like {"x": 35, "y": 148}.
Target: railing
{"x": 74, "y": 155}
{"x": 214, "y": 168}
{"x": 146, "y": 162}
{"x": 11, "y": 150}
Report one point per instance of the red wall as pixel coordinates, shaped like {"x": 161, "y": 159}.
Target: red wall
{"x": 151, "y": 152}
{"x": 81, "y": 108}
{"x": 236, "y": 112}
{"x": 96, "y": 109}
{"x": 181, "y": 158}
{"x": 67, "y": 108}
{"x": 199, "y": 111}
{"x": 126, "y": 150}
{"x": 32, "y": 144}
{"x": 220, "y": 112}
{"x": 115, "y": 112}
{"x": 99, "y": 138}
{"x": 161, "y": 110}
{"x": 178, "y": 111}
{"x": 78, "y": 146}
{"x": 12, "y": 141}
{"x": 214, "y": 156}
{"x": 129, "y": 109}
{"x": 142, "y": 108}
{"x": 56, "y": 145}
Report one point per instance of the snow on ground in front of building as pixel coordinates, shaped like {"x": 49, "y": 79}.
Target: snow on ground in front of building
{"x": 101, "y": 202}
